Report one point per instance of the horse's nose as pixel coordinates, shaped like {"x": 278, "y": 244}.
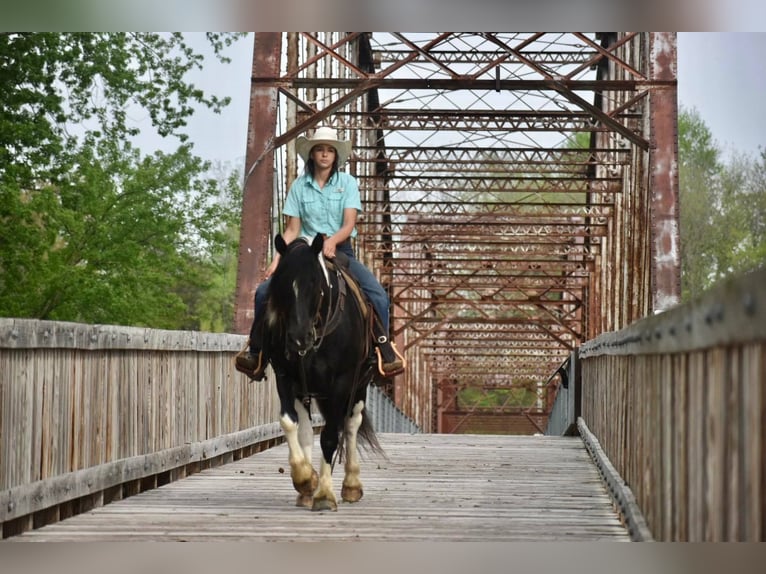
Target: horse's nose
{"x": 300, "y": 340}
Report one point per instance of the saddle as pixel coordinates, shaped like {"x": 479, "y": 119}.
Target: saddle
{"x": 340, "y": 265}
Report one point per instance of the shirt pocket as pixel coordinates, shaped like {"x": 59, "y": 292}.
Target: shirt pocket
{"x": 311, "y": 209}
{"x": 335, "y": 205}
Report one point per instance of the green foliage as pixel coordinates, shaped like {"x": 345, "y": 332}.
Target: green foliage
{"x": 722, "y": 209}
{"x": 91, "y": 230}
{"x": 519, "y": 395}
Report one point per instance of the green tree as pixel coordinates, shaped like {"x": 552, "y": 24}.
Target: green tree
{"x": 741, "y": 216}
{"x": 210, "y": 299}
{"x": 90, "y": 230}
{"x": 699, "y": 169}
{"x": 722, "y": 208}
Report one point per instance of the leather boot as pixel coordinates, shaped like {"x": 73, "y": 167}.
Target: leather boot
{"x": 251, "y": 362}
{"x": 390, "y": 362}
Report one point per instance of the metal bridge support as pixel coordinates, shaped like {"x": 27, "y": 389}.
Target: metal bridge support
{"x": 519, "y": 196}
{"x": 255, "y": 231}
{"x": 663, "y": 167}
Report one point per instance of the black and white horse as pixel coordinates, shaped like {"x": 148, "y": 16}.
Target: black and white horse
{"x": 319, "y": 344}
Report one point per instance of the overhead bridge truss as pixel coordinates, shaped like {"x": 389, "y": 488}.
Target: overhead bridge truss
{"x": 519, "y": 195}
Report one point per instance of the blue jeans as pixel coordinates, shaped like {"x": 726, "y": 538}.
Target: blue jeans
{"x": 370, "y": 286}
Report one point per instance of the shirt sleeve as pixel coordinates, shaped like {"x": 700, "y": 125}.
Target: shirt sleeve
{"x": 292, "y": 201}
{"x": 353, "y": 199}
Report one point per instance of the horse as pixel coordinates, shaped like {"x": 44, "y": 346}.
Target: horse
{"x": 319, "y": 343}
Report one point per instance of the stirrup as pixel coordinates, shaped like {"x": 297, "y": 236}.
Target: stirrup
{"x": 244, "y": 363}
{"x": 396, "y": 367}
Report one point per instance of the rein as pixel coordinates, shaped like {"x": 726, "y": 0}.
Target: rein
{"x": 325, "y": 324}
{"x": 332, "y": 318}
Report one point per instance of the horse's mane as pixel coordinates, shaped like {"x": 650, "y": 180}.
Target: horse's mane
{"x": 295, "y": 261}
{"x": 298, "y": 262}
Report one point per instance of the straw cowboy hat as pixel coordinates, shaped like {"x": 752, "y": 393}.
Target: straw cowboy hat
{"x": 323, "y": 135}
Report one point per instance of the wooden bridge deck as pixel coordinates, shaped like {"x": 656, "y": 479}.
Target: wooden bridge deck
{"x": 433, "y": 488}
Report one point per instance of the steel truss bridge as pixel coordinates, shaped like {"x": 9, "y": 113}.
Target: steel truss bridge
{"x": 519, "y": 195}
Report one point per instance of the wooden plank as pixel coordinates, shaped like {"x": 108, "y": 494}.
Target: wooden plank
{"x": 432, "y": 487}
{"x": 32, "y": 497}
{"x": 34, "y": 333}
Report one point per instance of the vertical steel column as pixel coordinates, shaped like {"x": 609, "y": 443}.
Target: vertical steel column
{"x": 663, "y": 172}
{"x": 255, "y": 231}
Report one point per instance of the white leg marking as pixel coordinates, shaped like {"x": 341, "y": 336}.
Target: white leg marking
{"x": 296, "y": 455}
{"x": 305, "y": 430}
{"x": 301, "y": 470}
{"x": 352, "y": 486}
{"x": 324, "y": 497}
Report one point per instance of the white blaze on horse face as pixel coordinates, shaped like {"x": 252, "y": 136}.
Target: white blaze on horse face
{"x": 271, "y": 317}
{"x": 295, "y": 289}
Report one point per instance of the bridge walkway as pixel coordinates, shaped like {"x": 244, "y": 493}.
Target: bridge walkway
{"x": 430, "y": 488}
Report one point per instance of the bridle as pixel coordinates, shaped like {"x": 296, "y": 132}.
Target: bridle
{"x": 325, "y": 325}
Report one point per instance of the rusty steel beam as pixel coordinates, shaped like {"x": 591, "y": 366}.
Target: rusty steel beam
{"x": 463, "y": 83}
{"x": 255, "y": 228}
{"x": 515, "y": 194}
{"x": 485, "y": 120}
{"x": 553, "y": 57}
{"x": 663, "y": 167}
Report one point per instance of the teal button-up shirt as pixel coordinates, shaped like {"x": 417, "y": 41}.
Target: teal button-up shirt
{"x": 321, "y": 210}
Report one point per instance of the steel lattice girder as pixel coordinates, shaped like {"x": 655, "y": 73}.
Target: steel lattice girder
{"x": 504, "y": 180}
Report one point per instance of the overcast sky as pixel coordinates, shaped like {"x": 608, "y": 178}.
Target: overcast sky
{"x": 722, "y": 75}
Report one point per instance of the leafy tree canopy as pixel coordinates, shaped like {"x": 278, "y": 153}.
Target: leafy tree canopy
{"x": 90, "y": 229}
{"x": 722, "y": 208}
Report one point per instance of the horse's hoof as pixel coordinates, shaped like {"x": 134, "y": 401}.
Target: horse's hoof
{"x": 308, "y": 486}
{"x": 324, "y": 504}
{"x": 304, "y": 500}
{"x": 352, "y": 493}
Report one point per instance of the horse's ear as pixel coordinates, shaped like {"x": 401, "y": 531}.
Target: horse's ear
{"x": 318, "y": 243}
{"x": 280, "y": 244}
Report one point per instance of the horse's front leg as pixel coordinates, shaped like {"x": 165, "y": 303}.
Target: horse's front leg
{"x": 352, "y": 486}
{"x": 299, "y": 435}
{"x": 324, "y": 497}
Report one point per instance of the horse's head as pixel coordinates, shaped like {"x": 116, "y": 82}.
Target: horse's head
{"x": 296, "y": 291}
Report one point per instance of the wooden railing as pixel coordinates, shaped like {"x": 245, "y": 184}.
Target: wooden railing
{"x": 92, "y": 413}
{"x": 677, "y": 401}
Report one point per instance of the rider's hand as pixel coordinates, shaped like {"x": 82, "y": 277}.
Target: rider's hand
{"x": 272, "y": 267}
{"x": 328, "y": 249}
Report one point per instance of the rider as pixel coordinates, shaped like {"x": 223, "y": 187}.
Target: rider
{"x": 324, "y": 200}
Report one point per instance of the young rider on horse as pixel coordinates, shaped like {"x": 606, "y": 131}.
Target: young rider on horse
{"x": 323, "y": 200}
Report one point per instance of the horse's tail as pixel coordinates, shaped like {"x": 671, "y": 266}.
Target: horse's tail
{"x": 367, "y": 438}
